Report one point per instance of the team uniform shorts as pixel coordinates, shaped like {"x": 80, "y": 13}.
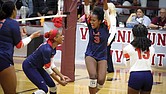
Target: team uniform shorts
{"x": 141, "y": 80}
{"x": 4, "y": 65}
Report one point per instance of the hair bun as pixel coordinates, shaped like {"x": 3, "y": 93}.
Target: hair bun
{"x": 47, "y": 35}
{"x": 51, "y": 34}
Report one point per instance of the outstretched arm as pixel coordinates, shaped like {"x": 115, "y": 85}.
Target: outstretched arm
{"x": 106, "y": 13}
{"x": 62, "y": 82}
{"x": 53, "y": 72}
{"x": 105, "y": 6}
{"x": 63, "y": 77}
{"x": 87, "y": 8}
{"x": 27, "y": 40}
{"x": 153, "y": 26}
{"x": 86, "y": 2}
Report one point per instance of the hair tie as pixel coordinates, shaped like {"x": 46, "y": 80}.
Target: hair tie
{"x": 53, "y": 34}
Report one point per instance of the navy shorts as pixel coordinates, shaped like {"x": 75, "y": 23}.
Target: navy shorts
{"x": 141, "y": 80}
{"x": 4, "y": 65}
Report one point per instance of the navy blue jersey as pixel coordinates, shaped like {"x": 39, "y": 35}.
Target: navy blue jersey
{"x": 41, "y": 56}
{"x": 97, "y": 45}
{"x": 10, "y": 36}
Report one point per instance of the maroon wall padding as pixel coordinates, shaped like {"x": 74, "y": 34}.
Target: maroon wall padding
{"x": 68, "y": 47}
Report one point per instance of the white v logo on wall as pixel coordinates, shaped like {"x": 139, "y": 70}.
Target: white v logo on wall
{"x": 123, "y": 37}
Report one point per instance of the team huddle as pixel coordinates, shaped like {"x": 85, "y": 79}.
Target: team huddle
{"x": 41, "y": 70}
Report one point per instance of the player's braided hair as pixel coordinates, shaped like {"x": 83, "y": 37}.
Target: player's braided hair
{"x": 141, "y": 41}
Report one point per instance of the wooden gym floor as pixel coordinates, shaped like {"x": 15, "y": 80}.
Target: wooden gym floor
{"x": 116, "y": 83}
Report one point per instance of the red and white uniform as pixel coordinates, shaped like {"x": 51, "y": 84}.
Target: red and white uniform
{"x": 139, "y": 60}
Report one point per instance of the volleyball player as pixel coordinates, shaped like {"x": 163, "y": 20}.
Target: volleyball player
{"x": 39, "y": 66}
{"x": 140, "y": 53}
{"x": 96, "y": 52}
{"x": 10, "y": 36}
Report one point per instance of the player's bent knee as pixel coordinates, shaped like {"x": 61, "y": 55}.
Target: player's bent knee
{"x": 101, "y": 81}
{"x": 39, "y": 92}
{"x": 93, "y": 83}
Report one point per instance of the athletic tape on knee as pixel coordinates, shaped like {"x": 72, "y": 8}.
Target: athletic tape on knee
{"x": 99, "y": 86}
{"x": 39, "y": 92}
{"x": 93, "y": 83}
{"x": 53, "y": 89}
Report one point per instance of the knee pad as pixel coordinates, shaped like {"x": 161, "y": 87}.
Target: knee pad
{"x": 93, "y": 83}
{"x": 39, "y": 92}
{"x": 99, "y": 86}
{"x": 53, "y": 89}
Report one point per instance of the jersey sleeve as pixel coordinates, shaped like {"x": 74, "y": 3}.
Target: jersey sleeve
{"x": 16, "y": 33}
{"x": 125, "y": 52}
{"x": 23, "y": 42}
{"x": 48, "y": 68}
{"x": 52, "y": 63}
{"x": 46, "y": 54}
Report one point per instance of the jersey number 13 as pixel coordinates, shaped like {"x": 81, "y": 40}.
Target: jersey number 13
{"x": 143, "y": 55}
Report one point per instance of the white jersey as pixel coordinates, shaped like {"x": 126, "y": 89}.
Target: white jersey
{"x": 139, "y": 61}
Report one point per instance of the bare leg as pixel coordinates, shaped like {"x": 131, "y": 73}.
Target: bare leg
{"x": 91, "y": 65}
{"x": 145, "y": 92}
{"x": 8, "y": 80}
{"x": 92, "y": 90}
{"x": 132, "y": 91}
{"x": 102, "y": 70}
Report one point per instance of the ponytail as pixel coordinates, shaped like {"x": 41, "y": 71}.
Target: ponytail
{"x": 141, "y": 41}
{"x": 47, "y": 35}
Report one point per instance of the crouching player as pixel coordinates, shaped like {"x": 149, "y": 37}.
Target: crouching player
{"x": 38, "y": 66}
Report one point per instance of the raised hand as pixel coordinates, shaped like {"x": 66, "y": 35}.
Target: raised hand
{"x": 23, "y": 31}
{"x": 35, "y": 34}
